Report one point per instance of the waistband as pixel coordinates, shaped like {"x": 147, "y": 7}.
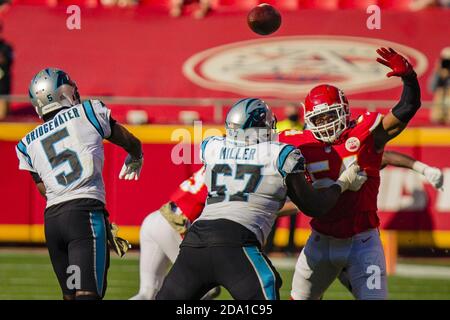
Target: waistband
{"x": 357, "y": 236}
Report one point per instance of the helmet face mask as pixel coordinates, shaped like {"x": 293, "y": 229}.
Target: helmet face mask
{"x": 52, "y": 89}
{"x": 250, "y": 121}
{"x": 326, "y": 113}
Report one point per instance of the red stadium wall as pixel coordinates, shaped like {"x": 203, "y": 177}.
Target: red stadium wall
{"x": 137, "y": 52}
{"x": 140, "y": 53}
{"x": 406, "y": 203}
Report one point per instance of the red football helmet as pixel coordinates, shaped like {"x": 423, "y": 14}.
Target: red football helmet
{"x": 326, "y": 112}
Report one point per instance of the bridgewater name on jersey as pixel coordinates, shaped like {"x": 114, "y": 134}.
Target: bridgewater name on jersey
{"x": 245, "y": 182}
{"x": 191, "y": 194}
{"x": 354, "y": 212}
{"x": 67, "y": 152}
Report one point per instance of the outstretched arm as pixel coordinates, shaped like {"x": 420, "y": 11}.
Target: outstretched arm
{"x": 312, "y": 202}
{"x": 397, "y": 119}
{"x": 133, "y": 162}
{"x": 433, "y": 175}
{"x": 318, "y": 202}
{"x": 123, "y": 138}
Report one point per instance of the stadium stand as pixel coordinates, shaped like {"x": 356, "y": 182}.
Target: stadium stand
{"x": 238, "y": 5}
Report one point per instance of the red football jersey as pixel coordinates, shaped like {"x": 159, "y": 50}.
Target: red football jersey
{"x": 354, "y": 212}
{"x": 191, "y": 195}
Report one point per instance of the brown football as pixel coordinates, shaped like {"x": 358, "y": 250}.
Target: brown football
{"x": 264, "y": 19}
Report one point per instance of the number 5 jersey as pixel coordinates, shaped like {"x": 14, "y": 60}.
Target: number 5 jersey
{"x": 354, "y": 212}
{"x": 67, "y": 152}
{"x": 245, "y": 182}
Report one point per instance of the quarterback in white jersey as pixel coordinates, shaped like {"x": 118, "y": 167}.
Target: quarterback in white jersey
{"x": 67, "y": 152}
{"x": 65, "y": 157}
{"x": 248, "y": 176}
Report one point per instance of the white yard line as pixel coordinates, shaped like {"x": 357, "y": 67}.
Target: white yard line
{"x": 421, "y": 271}
{"x": 402, "y": 270}
{"x": 284, "y": 263}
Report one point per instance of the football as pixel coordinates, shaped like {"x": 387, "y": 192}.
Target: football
{"x": 264, "y": 19}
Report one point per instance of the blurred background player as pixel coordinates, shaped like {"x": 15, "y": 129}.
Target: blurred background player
{"x": 248, "y": 177}
{"x": 293, "y": 120}
{"x": 6, "y": 62}
{"x": 347, "y": 239}
{"x": 440, "y": 86}
{"x": 65, "y": 158}
{"x": 433, "y": 175}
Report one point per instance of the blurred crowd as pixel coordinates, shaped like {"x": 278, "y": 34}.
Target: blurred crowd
{"x": 176, "y": 8}
{"x": 6, "y": 61}
{"x": 439, "y": 83}
{"x": 440, "y": 86}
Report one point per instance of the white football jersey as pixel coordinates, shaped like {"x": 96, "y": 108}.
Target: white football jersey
{"x": 67, "y": 152}
{"x": 246, "y": 182}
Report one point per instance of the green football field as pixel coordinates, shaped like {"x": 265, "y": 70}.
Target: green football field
{"x": 27, "y": 274}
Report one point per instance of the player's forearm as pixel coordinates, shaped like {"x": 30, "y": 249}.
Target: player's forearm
{"x": 410, "y": 101}
{"x": 312, "y": 202}
{"x": 134, "y": 147}
{"x": 396, "y": 120}
{"x": 396, "y": 159}
{"x": 123, "y": 138}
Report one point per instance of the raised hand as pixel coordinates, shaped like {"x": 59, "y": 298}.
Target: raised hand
{"x": 391, "y": 59}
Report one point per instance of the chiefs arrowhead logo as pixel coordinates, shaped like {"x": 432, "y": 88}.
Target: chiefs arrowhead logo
{"x": 288, "y": 67}
{"x": 352, "y": 144}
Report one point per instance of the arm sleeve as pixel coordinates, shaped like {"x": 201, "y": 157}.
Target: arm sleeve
{"x": 409, "y": 102}
{"x": 368, "y": 121}
{"x": 24, "y": 159}
{"x": 99, "y": 116}
{"x": 290, "y": 160}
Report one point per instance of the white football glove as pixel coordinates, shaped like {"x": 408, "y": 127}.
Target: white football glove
{"x": 351, "y": 179}
{"x": 435, "y": 177}
{"x": 131, "y": 169}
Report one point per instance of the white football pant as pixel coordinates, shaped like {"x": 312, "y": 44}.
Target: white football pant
{"x": 159, "y": 249}
{"x": 358, "y": 262}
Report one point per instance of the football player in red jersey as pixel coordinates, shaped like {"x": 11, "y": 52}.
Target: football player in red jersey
{"x": 346, "y": 239}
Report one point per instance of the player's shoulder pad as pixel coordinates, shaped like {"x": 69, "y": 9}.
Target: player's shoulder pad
{"x": 290, "y": 160}
{"x": 22, "y": 148}
{"x": 290, "y": 133}
{"x": 369, "y": 120}
{"x": 295, "y": 137}
{"x": 98, "y": 115}
{"x": 97, "y": 104}
{"x": 207, "y": 141}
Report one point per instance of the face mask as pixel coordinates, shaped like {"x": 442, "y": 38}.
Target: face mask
{"x": 293, "y": 117}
